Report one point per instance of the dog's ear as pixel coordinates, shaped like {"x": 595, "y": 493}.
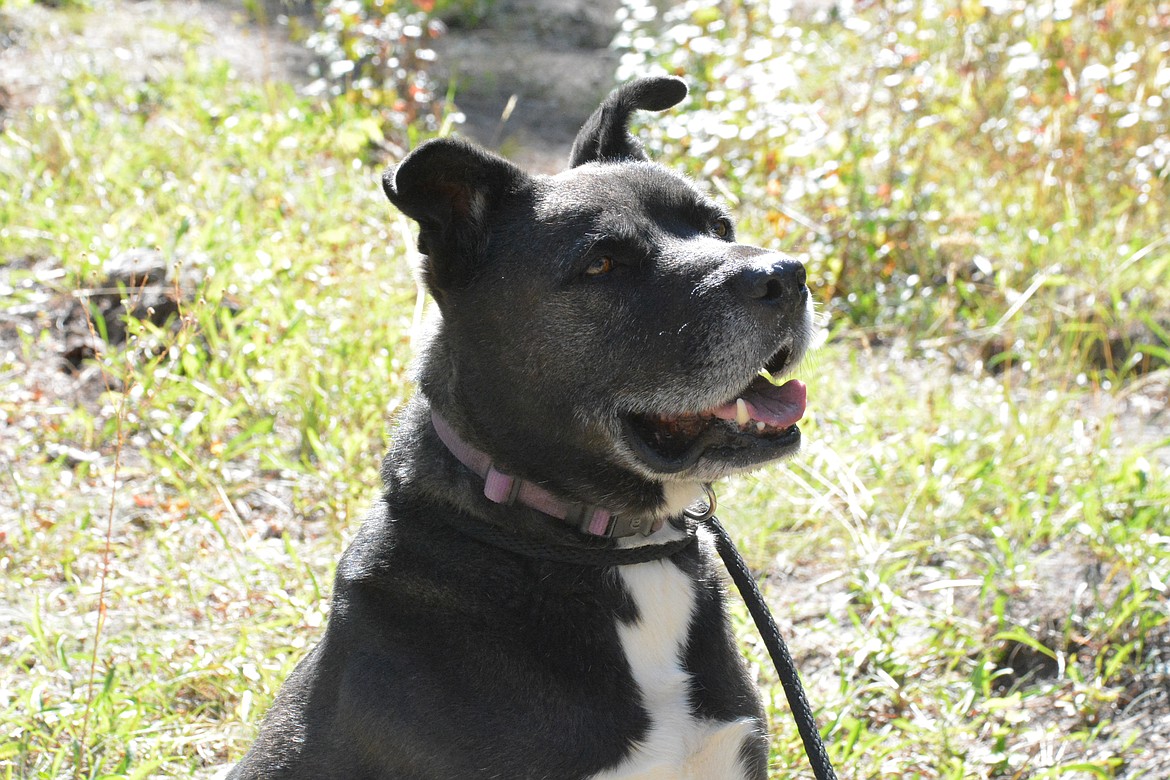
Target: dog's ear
{"x": 448, "y": 186}
{"x": 605, "y": 136}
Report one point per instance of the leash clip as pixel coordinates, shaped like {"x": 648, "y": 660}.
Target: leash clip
{"x": 707, "y": 511}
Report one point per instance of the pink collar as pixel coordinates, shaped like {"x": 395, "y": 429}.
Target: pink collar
{"x": 505, "y": 489}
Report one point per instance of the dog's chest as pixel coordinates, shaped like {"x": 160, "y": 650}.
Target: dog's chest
{"x": 677, "y": 745}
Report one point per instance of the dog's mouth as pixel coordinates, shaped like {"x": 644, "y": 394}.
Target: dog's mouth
{"x": 756, "y": 425}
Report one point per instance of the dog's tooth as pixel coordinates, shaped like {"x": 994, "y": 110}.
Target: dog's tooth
{"x": 760, "y": 425}
{"x": 741, "y": 413}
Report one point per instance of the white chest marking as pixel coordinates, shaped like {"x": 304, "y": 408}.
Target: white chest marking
{"x": 677, "y": 746}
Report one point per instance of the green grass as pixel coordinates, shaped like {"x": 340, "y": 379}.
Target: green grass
{"x": 932, "y": 526}
{"x": 249, "y": 443}
{"x": 970, "y": 560}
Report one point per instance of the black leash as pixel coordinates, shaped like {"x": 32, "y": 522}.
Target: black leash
{"x": 814, "y": 746}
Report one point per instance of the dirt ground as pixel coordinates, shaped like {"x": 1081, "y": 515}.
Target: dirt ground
{"x": 40, "y": 47}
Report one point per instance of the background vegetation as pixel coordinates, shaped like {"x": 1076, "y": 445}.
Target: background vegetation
{"x": 971, "y": 557}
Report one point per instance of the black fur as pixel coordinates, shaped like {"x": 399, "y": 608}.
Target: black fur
{"x": 448, "y": 658}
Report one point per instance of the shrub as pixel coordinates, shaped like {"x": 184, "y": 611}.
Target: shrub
{"x": 932, "y": 162}
{"x": 378, "y": 54}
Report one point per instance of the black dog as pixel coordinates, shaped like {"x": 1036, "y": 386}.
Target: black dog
{"x": 529, "y": 599}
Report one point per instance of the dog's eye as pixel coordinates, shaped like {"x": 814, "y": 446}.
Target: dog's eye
{"x": 721, "y": 228}
{"x": 600, "y": 266}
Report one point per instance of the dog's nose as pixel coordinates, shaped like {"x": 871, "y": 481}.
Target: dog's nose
{"x": 780, "y": 283}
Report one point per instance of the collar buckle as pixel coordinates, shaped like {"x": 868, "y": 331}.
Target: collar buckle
{"x": 595, "y": 521}
{"x": 629, "y": 525}
{"x": 592, "y": 520}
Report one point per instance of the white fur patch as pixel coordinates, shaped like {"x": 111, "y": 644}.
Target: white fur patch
{"x": 677, "y": 746}
{"x": 676, "y": 496}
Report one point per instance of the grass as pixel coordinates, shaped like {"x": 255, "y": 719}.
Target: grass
{"x": 969, "y": 557}
{"x": 239, "y": 472}
{"x": 939, "y": 540}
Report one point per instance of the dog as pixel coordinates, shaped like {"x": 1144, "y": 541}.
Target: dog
{"x": 532, "y": 597}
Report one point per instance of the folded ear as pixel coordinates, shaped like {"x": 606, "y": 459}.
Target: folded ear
{"x": 449, "y": 186}
{"x": 605, "y": 136}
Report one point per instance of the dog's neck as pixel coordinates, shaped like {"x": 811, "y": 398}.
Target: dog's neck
{"x": 503, "y": 488}
{"x": 420, "y": 462}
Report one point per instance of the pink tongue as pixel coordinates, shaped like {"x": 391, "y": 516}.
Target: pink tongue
{"x": 776, "y": 407}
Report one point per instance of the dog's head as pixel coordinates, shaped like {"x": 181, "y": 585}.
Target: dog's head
{"x": 603, "y": 325}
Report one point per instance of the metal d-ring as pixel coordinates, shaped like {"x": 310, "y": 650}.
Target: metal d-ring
{"x": 709, "y": 510}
